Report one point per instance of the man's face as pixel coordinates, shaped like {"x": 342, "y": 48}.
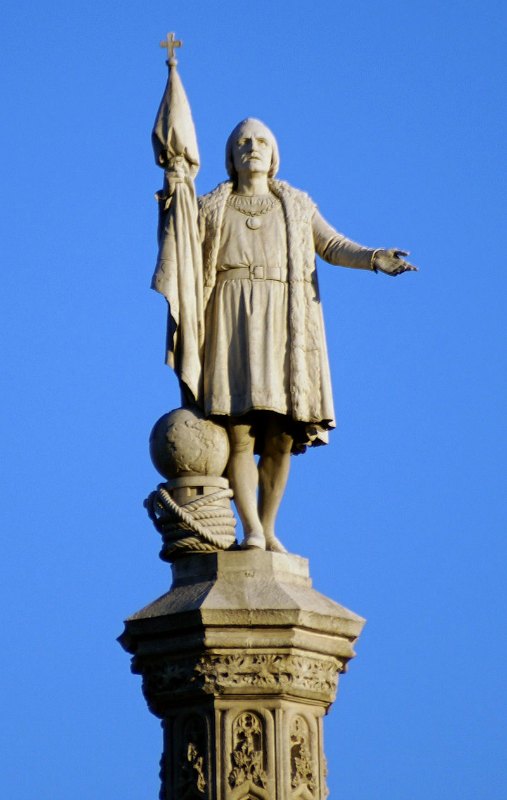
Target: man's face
{"x": 252, "y": 150}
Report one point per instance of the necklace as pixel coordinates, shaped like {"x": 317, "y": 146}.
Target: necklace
{"x": 253, "y": 206}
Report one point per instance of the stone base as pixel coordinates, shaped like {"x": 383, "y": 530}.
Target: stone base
{"x": 241, "y": 661}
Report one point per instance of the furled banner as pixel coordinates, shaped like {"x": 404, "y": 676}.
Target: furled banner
{"x": 178, "y": 274}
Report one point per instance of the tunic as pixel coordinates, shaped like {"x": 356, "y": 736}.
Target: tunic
{"x": 246, "y": 357}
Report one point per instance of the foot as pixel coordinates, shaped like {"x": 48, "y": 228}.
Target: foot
{"x": 274, "y": 545}
{"x": 254, "y": 540}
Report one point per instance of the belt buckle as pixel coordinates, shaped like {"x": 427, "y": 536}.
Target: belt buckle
{"x": 257, "y": 273}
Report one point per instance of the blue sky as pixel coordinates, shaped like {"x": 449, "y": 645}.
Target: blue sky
{"x": 390, "y": 115}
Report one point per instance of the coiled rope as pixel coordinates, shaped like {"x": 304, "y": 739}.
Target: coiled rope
{"x": 212, "y": 524}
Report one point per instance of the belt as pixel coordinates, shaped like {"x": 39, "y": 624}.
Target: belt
{"x": 253, "y": 273}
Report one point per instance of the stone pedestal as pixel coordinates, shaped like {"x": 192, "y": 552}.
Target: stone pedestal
{"x": 240, "y": 660}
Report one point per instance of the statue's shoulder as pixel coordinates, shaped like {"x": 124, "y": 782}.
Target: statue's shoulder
{"x": 291, "y": 196}
{"x": 210, "y": 202}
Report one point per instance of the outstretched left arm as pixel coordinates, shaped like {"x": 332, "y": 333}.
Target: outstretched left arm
{"x": 336, "y": 249}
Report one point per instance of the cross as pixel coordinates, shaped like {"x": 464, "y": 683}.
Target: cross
{"x": 171, "y": 43}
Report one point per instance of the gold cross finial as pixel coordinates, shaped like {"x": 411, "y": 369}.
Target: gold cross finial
{"x": 170, "y": 44}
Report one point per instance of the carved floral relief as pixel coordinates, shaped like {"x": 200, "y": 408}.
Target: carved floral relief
{"x": 302, "y": 764}
{"x": 270, "y": 671}
{"x": 247, "y": 757}
{"x": 193, "y": 749}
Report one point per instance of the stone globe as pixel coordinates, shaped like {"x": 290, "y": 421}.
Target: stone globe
{"x": 184, "y": 443}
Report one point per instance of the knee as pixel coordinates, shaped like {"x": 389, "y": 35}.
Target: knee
{"x": 278, "y": 445}
{"x": 240, "y": 439}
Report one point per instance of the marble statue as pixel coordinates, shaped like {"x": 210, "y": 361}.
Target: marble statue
{"x": 245, "y": 332}
{"x": 241, "y": 658}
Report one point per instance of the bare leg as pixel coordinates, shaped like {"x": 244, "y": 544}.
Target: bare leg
{"x": 273, "y": 474}
{"x": 244, "y": 479}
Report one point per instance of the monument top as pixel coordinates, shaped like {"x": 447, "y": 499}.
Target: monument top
{"x": 171, "y": 43}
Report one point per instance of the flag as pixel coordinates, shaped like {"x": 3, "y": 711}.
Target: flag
{"x": 173, "y": 134}
{"x": 178, "y": 273}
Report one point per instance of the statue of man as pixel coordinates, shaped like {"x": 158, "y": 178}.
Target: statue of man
{"x": 265, "y": 371}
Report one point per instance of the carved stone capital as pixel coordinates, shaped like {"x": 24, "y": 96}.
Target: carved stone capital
{"x": 271, "y": 673}
{"x": 221, "y": 675}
